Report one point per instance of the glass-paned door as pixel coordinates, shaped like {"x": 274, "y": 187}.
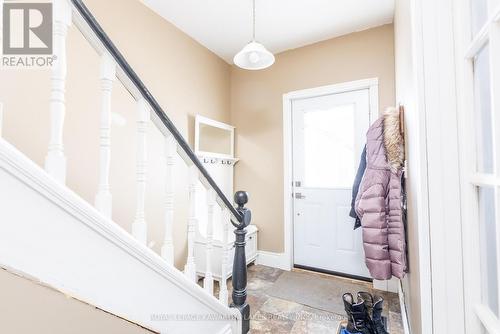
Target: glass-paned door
{"x": 480, "y": 57}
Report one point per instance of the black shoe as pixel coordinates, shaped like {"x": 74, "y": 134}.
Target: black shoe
{"x": 358, "y": 320}
{"x": 368, "y": 301}
{"x": 377, "y": 321}
{"x": 374, "y": 307}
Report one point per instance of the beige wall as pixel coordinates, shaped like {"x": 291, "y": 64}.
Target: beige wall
{"x": 185, "y": 77}
{"x": 256, "y": 111}
{"x": 28, "y": 307}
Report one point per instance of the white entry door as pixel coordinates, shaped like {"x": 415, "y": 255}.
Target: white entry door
{"x": 329, "y": 133}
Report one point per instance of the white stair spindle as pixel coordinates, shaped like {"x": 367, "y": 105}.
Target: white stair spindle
{"x": 223, "y": 292}
{"x": 139, "y": 227}
{"x": 190, "y": 268}
{"x": 103, "y": 200}
{"x": 167, "y": 250}
{"x": 208, "y": 281}
{"x": 55, "y": 161}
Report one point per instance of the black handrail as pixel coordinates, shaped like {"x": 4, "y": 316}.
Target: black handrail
{"x": 124, "y": 65}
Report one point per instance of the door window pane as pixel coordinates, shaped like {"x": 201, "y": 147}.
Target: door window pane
{"x": 488, "y": 244}
{"x": 479, "y": 14}
{"x": 329, "y": 147}
{"x": 482, "y": 106}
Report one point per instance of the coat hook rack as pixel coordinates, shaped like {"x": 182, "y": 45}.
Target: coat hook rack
{"x": 401, "y": 119}
{"x": 401, "y": 109}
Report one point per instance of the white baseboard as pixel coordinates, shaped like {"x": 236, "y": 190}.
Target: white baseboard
{"x": 402, "y": 304}
{"x": 391, "y": 285}
{"x": 271, "y": 259}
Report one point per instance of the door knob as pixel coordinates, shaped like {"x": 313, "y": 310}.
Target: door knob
{"x": 299, "y": 196}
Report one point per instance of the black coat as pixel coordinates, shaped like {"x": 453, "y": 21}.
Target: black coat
{"x": 355, "y": 187}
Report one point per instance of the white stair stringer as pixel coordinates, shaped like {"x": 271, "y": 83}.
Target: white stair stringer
{"x": 50, "y": 233}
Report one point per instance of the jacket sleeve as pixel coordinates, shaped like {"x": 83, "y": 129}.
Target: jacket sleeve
{"x": 355, "y": 188}
{"x": 396, "y": 228}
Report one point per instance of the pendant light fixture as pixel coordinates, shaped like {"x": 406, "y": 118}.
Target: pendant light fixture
{"x": 254, "y": 56}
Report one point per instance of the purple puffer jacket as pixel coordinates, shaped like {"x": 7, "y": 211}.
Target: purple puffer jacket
{"x": 378, "y": 203}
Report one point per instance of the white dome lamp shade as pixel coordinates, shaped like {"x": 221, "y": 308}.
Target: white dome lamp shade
{"x": 254, "y": 56}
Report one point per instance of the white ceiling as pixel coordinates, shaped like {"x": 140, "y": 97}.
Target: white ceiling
{"x": 225, "y": 26}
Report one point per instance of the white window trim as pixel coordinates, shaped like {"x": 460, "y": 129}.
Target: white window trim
{"x": 371, "y": 85}
{"x": 475, "y": 313}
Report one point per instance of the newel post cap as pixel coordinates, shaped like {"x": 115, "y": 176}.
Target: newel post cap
{"x": 241, "y": 198}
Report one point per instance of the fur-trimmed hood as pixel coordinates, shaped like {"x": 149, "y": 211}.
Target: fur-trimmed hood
{"x": 385, "y": 143}
{"x": 393, "y": 139}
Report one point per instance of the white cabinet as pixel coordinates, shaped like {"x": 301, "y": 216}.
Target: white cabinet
{"x": 200, "y": 246}
{"x": 214, "y": 146}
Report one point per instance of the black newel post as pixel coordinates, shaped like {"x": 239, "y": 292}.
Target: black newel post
{"x": 240, "y": 261}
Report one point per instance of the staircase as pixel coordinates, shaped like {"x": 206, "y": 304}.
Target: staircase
{"x": 49, "y": 233}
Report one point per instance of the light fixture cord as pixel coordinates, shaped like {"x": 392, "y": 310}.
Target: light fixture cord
{"x": 253, "y": 36}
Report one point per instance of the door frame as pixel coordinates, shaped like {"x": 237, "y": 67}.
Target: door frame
{"x": 371, "y": 84}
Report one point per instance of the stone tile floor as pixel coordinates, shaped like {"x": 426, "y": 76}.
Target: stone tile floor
{"x": 274, "y": 315}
